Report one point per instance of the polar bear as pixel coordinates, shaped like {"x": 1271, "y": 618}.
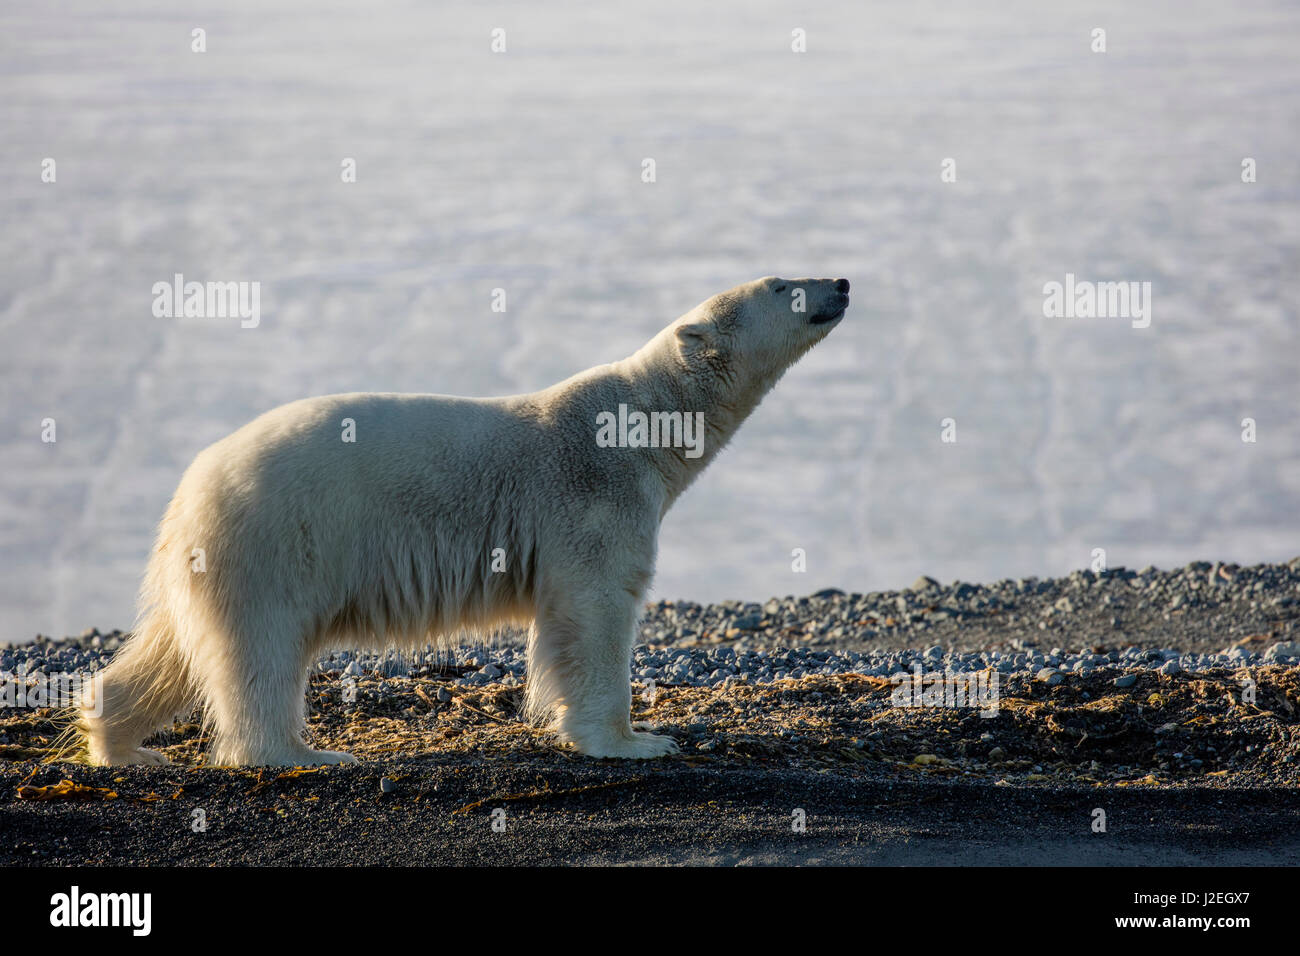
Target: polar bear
{"x": 393, "y": 520}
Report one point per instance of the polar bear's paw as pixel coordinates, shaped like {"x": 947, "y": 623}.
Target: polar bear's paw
{"x": 295, "y": 756}
{"x": 151, "y": 757}
{"x": 321, "y": 758}
{"x": 632, "y": 746}
{"x": 125, "y": 757}
{"x": 142, "y": 756}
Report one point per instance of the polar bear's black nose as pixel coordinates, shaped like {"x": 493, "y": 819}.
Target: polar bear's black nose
{"x": 841, "y": 285}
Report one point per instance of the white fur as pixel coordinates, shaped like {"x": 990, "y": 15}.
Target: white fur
{"x": 313, "y": 543}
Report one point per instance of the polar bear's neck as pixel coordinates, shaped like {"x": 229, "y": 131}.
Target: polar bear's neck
{"x": 657, "y": 380}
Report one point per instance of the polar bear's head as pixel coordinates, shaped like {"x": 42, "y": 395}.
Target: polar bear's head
{"x": 751, "y": 334}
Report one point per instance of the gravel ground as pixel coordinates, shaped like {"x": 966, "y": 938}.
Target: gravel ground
{"x": 441, "y": 813}
{"x": 1166, "y": 699}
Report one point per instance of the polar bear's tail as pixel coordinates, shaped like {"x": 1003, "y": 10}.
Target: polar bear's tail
{"x": 143, "y": 689}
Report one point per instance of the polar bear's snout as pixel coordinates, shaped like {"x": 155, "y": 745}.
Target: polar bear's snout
{"x": 835, "y": 304}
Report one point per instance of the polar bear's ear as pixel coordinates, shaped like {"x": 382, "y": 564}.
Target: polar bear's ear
{"x": 695, "y": 335}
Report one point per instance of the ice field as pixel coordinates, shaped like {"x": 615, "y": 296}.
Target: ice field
{"x": 522, "y": 170}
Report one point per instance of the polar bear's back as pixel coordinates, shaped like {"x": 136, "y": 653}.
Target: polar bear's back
{"x": 354, "y": 449}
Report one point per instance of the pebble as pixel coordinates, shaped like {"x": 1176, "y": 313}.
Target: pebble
{"x": 663, "y": 653}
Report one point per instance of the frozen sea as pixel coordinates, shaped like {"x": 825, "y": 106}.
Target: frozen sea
{"x": 522, "y": 170}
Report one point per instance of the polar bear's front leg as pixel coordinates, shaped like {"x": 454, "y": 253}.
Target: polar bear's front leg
{"x": 579, "y": 662}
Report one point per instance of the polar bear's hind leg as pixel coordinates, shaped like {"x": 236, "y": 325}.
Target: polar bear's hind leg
{"x": 256, "y": 701}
